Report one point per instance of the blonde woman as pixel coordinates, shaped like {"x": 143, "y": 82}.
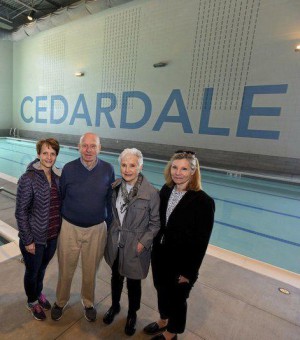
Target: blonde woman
{"x": 187, "y": 216}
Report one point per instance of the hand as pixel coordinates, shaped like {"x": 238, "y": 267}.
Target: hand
{"x": 140, "y": 247}
{"x": 31, "y": 248}
{"x": 183, "y": 279}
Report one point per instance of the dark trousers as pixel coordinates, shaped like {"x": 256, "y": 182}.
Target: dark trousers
{"x": 171, "y": 295}
{"x": 172, "y": 305}
{"x": 35, "y": 267}
{"x": 133, "y": 286}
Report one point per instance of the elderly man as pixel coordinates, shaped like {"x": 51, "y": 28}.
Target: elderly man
{"x": 86, "y": 211}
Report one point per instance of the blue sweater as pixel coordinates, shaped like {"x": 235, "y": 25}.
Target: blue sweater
{"x": 86, "y": 195}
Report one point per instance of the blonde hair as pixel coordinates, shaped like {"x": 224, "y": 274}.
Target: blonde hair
{"x": 195, "y": 182}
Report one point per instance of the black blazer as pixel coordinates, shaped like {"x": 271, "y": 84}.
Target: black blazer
{"x": 184, "y": 239}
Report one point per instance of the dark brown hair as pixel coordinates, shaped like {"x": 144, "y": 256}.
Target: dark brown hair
{"x": 49, "y": 142}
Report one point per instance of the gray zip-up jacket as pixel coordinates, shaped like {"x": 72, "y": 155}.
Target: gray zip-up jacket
{"x": 140, "y": 224}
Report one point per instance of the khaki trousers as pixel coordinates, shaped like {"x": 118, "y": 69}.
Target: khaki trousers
{"x": 72, "y": 242}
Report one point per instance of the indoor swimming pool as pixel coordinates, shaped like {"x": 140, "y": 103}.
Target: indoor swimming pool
{"x": 257, "y": 218}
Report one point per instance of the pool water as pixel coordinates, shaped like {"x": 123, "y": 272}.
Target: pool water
{"x": 254, "y": 217}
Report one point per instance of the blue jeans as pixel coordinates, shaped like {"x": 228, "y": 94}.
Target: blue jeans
{"x": 35, "y": 267}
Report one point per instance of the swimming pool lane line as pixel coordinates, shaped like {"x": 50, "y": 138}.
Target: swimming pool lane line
{"x": 258, "y": 208}
{"x": 258, "y": 233}
{"x": 254, "y": 191}
{"x": 15, "y": 180}
{"x": 159, "y": 185}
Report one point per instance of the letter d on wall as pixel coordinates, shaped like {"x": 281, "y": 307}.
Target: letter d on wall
{"x": 55, "y": 104}
{"x": 147, "y": 113}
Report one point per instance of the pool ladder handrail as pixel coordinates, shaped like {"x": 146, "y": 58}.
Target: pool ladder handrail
{"x": 235, "y": 174}
{"x": 14, "y": 132}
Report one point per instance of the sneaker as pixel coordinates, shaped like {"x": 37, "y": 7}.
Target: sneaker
{"x": 36, "y": 311}
{"x": 57, "y": 312}
{"x": 90, "y": 313}
{"x": 44, "y": 302}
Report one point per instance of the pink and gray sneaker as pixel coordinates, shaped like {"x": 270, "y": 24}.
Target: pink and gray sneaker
{"x": 37, "y": 311}
{"x": 44, "y": 302}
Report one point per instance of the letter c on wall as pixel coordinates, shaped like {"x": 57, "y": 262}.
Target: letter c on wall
{"x": 26, "y": 120}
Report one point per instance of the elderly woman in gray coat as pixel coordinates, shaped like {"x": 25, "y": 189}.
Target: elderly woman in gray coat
{"x": 135, "y": 204}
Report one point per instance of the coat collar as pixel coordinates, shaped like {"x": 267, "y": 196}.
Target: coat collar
{"x": 185, "y": 200}
{"x": 143, "y": 193}
{"x": 37, "y": 166}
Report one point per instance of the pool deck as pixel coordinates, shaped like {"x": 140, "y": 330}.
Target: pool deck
{"x": 234, "y": 299}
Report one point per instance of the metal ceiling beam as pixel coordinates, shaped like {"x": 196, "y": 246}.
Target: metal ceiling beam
{"x": 53, "y": 3}
{"x": 20, "y": 13}
{"x": 8, "y": 7}
{"x": 6, "y": 20}
{"x": 22, "y": 3}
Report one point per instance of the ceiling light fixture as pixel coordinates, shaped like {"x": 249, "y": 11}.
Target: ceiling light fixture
{"x": 30, "y": 16}
{"x": 79, "y": 74}
{"x": 160, "y": 64}
{"x": 297, "y": 48}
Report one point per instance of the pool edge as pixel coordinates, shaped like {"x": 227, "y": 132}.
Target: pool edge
{"x": 256, "y": 266}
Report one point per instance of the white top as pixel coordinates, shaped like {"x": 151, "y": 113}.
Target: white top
{"x": 174, "y": 199}
{"x": 119, "y": 204}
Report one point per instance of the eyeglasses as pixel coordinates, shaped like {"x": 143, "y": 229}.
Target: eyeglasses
{"x": 188, "y": 152}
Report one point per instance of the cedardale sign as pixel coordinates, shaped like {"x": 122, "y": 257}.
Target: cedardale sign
{"x": 56, "y": 109}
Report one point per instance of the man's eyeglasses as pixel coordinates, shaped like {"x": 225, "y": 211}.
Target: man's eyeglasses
{"x": 188, "y": 152}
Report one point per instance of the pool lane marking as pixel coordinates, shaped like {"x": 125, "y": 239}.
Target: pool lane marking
{"x": 258, "y": 233}
{"x": 255, "y": 191}
{"x": 222, "y": 185}
{"x": 258, "y": 208}
{"x": 219, "y": 199}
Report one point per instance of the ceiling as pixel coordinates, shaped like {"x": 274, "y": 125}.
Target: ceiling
{"x": 13, "y": 13}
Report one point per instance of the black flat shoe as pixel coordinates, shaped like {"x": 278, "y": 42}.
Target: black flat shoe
{"x": 153, "y": 328}
{"x": 109, "y": 316}
{"x": 161, "y": 337}
{"x": 130, "y": 325}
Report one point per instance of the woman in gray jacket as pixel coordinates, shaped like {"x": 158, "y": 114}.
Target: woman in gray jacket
{"x": 135, "y": 204}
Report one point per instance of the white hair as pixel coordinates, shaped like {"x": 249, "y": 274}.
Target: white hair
{"x": 133, "y": 152}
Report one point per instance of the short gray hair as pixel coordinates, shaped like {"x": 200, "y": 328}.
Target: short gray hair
{"x": 133, "y": 152}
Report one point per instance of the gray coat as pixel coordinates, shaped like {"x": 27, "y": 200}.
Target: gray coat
{"x": 140, "y": 224}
